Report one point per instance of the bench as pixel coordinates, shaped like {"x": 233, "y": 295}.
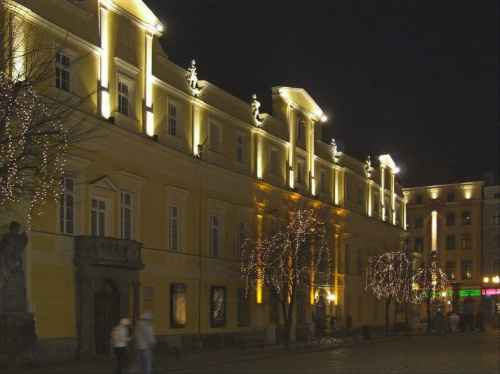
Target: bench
{"x": 163, "y": 348}
{"x": 303, "y": 335}
{"x": 242, "y": 342}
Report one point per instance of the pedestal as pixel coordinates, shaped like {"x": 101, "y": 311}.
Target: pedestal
{"x": 18, "y": 341}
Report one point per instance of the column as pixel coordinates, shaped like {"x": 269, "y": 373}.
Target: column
{"x": 148, "y": 87}
{"x": 312, "y": 183}
{"x": 382, "y": 191}
{"x": 104, "y": 63}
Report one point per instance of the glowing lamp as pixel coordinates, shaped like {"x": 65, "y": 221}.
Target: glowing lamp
{"x": 486, "y": 280}
{"x": 159, "y": 27}
{"x": 496, "y": 279}
{"x": 324, "y": 118}
{"x": 331, "y": 297}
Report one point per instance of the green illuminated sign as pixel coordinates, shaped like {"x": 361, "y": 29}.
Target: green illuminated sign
{"x": 465, "y": 293}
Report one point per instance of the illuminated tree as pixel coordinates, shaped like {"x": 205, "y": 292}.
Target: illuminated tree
{"x": 389, "y": 276}
{"x": 38, "y": 122}
{"x": 288, "y": 257}
{"x": 427, "y": 283}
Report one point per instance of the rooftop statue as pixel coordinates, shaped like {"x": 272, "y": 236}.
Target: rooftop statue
{"x": 192, "y": 78}
{"x": 333, "y": 151}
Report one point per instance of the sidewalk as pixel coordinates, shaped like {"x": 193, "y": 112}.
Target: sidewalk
{"x": 203, "y": 357}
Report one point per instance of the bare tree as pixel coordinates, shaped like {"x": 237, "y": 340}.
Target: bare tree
{"x": 428, "y": 283}
{"x": 288, "y": 256}
{"x": 39, "y": 121}
{"x": 389, "y": 276}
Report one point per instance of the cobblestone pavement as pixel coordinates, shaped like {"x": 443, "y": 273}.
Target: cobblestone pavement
{"x": 476, "y": 352}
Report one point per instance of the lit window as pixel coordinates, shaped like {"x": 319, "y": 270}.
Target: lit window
{"x": 123, "y": 98}
{"x": 450, "y": 270}
{"x": 173, "y": 227}
{"x": 98, "y": 217}
{"x": 214, "y": 235}
{"x": 63, "y": 71}
{"x": 466, "y": 218}
{"x": 67, "y": 206}
{"x": 466, "y": 272}
{"x": 496, "y": 218}
{"x": 126, "y": 215}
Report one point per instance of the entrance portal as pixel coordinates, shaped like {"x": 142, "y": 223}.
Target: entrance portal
{"x": 106, "y": 314}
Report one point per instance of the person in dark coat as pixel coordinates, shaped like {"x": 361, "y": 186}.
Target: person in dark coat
{"x": 470, "y": 321}
{"x": 462, "y": 322}
{"x": 480, "y": 321}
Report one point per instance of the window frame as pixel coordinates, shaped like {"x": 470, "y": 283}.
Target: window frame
{"x": 214, "y": 235}
{"x": 466, "y": 217}
{"x": 464, "y": 266}
{"x": 99, "y": 217}
{"x": 451, "y": 270}
{"x": 466, "y": 241}
{"x": 173, "y": 118}
{"x": 60, "y": 68}
{"x": 64, "y": 209}
{"x": 124, "y": 207}
{"x": 173, "y": 232}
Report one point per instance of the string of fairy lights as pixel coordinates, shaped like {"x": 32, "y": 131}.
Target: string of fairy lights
{"x": 390, "y": 275}
{"x": 32, "y": 146}
{"x": 285, "y": 258}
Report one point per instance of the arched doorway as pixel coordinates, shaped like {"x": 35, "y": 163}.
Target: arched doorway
{"x": 106, "y": 314}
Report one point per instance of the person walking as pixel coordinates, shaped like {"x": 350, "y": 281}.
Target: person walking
{"x": 480, "y": 321}
{"x": 119, "y": 339}
{"x": 438, "y": 323}
{"x": 144, "y": 341}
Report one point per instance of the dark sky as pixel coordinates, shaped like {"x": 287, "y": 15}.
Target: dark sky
{"x": 416, "y": 79}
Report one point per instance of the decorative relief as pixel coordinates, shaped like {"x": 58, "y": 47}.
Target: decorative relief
{"x": 108, "y": 251}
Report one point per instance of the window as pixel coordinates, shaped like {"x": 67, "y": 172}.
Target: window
{"x": 347, "y": 259}
{"x": 419, "y": 222}
{"x": 240, "y": 237}
{"x": 218, "y": 306}
{"x": 360, "y": 262}
{"x": 63, "y": 71}
{"x": 126, "y": 215}
{"x": 123, "y": 98}
{"x": 466, "y": 218}
{"x": 450, "y": 270}
{"x": 214, "y": 235}
{"x": 301, "y": 130}
{"x": 172, "y": 120}
{"x": 419, "y": 199}
{"x": 243, "y": 308}
{"x": 496, "y": 266}
{"x": 495, "y": 242}
{"x": 450, "y": 219}
{"x": 177, "y": 305}
{"x": 275, "y": 161}
{"x": 496, "y": 219}
{"x": 323, "y": 183}
{"x": 214, "y": 137}
{"x": 466, "y": 241}
{"x": 450, "y": 197}
{"x": 376, "y": 202}
{"x": 98, "y": 217}
{"x": 173, "y": 227}
{"x": 450, "y": 242}
{"x": 239, "y": 148}
{"x": 419, "y": 244}
{"x": 301, "y": 171}
{"x": 361, "y": 195}
{"x": 466, "y": 272}
{"x": 67, "y": 206}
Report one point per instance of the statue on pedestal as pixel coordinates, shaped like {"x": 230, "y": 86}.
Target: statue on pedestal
{"x": 255, "y": 109}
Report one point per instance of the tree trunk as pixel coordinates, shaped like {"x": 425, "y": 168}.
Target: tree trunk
{"x": 387, "y": 303}
{"x": 286, "y": 337}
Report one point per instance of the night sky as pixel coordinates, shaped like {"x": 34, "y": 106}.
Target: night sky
{"x": 416, "y": 79}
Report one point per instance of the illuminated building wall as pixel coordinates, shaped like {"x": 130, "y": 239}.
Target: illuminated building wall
{"x": 167, "y": 154}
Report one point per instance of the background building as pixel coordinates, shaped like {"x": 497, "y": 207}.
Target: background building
{"x": 491, "y": 253}
{"x": 448, "y": 218}
{"x": 179, "y": 176}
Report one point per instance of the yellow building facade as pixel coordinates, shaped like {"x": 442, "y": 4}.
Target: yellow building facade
{"x": 448, "y": 218}
{"x": 179, "y": 175}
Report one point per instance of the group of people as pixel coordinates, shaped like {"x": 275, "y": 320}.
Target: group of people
{"x": 143, "y": 339}
{"x": 464, "y": 321}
